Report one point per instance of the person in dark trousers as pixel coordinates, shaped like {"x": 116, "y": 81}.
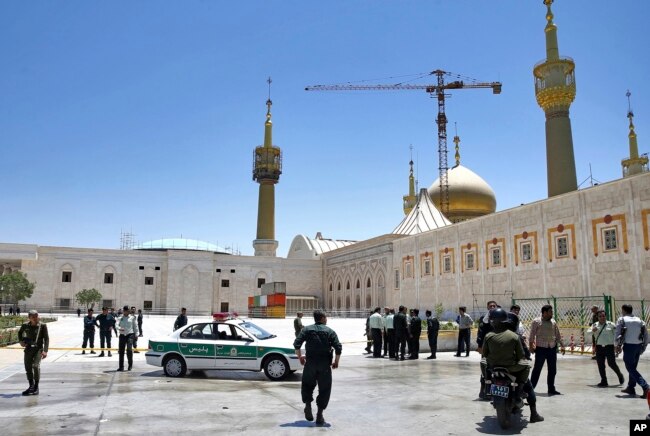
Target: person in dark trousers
{"x": 604, "y": 334}
{"x": 632, "y": 339}
{"x": 89, "y": 332}
{"x": 376, "y": 324}
{"x": 401, "y": 333}
{"x": 135, "y": 338}
{"x": 127, "y": 326}
{"x": 106, "y": 322}
{"x": 433, "y": 327}
{"x": 297, "y": 324}
{"x": 594, "y": 320}
{"x": 415, "y": 330}
{"x": 368, "y": 335}
{"x": 389, "y": 336}
{"x": 181, "y": 320}
{"x": 464, "y": 331}
{"x": 34, "y": 338}
{"x": 78, "y": 312}
{"x": 543, "y": 341}
{"x": 484, "y": 327}
{"x": 320, "y": 341}
{"x": 140, "y": 322}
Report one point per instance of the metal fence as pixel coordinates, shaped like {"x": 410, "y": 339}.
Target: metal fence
{"x": 574, "y": 317}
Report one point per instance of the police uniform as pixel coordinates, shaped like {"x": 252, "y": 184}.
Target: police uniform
{"x": 319, "y": 341}
{"x": 415, "y": 329}
{"x": 401, "y": 334}
{"x": 89, "y": 333}
{"x": 504, "y": 349}
{"x": 433, "y": 326}
{"x": 38, "y": 341}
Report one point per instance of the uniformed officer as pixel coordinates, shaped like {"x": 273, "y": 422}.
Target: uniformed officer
{"x": 128, "y": 328}
{"x": 34, "y": 338}
{"x": 415, "y": 330}
{"x": 89, "y": 332}
{"x": 106, "y": 322}
{"x": 401, "y": 333}
{"x": 297, "y": 324}
{"x": 319, "y": 341}
{"x": 484, "y": 327}
{"x": 433, "y": 327}
{"x": 376, "y": 324}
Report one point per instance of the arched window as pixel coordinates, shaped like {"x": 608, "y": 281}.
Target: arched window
{"x": 338, "y": 286}
{"x": 368, "y": 283}
{"x": 358, "y": 284}
{"x": 330, "y": 287}
{"x": 347, "y": 285}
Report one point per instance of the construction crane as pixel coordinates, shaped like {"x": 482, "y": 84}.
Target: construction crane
{"x": 439, "y": 90}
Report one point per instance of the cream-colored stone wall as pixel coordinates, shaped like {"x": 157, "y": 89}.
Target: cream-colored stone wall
{"x": 587, "y": 268}
{"x": 180, "y": 278}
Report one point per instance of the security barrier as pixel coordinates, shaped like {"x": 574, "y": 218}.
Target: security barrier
{"x": 574, "y": 317}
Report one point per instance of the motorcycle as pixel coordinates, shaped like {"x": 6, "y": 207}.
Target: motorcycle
{"x": 501, "y": 386}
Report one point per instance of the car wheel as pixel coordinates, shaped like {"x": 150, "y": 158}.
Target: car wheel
{"x": 276, "y": 368}
{"x": 174, "y": 366}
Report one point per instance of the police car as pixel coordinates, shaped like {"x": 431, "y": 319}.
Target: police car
{"x": 225, "y": 343}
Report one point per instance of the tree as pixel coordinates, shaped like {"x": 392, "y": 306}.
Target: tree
{"x": 15, "y": 287}
{"x": 88, "y": 297}
{"x": 439, "y": 309}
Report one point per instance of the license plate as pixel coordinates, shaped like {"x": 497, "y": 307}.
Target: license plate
{"x": 499, "y": 391}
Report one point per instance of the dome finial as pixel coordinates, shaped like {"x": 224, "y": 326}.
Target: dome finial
{"x": 268, "y": 101}
{"x": 457, "y": 141}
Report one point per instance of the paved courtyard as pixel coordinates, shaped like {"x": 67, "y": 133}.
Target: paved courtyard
{"x": 82, "y": 394}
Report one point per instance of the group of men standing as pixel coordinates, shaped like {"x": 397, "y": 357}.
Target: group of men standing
{"x": 127, "y": 328}
{"x": 390, "y": 333}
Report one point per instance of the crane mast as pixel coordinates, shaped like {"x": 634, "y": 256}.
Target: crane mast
{"x": 438, "y": 89}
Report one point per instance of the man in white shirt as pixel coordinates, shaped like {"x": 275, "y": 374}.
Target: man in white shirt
{"x": 376, "y": 324}
{"x": 632, "y": 338}
{"x": 127, "y": 326}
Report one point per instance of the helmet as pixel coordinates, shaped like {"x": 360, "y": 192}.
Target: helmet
{"x": 497, "y": 317}
{"x": 513, "y": 322}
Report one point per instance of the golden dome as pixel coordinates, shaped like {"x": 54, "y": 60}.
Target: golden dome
{"x": 469, "y": 195}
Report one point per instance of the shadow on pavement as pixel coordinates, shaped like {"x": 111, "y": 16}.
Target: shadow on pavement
{"x": 305, "y": 424}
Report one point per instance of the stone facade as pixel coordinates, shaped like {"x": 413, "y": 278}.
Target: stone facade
{"x": 162, "y": 280}
{"x": 589, "y": 242}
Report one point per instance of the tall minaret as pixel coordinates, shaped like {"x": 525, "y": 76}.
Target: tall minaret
{"x": 555, "y": 89}
{"x": 634, "y": 164}
{"x": 410, "y": 199}
{"x": 267, "y": 167}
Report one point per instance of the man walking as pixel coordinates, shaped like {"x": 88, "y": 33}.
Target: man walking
{"x": 89, "y": 332}
{"x": 128, "y": 327}
{"x": 137, "y": 335}
{"x": 544, "y": 338}
{"x": 140, "y": 322}
{"x": 632, "y": 338}
{"x": 464, "y": 331}
{"x": 376, "y": 324}
{"x": 297, "y": 324}
{"x": 433, "y": 327}
{"x": 106, "y": 323}
{"x": 319, "y": 340}
{"x": 181, "y": 320}
{"x": 35, "y": 340}
{"x": 604, "y": 334}
{"x": 401, "y": 333}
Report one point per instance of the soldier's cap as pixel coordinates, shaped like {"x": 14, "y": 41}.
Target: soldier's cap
{"x": 32, "y": 312}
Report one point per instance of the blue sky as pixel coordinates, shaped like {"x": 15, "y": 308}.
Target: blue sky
{"x": 143, "y": 116}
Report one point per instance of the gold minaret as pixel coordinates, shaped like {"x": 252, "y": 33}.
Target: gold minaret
{"x": 267, "y": 167}
{"x": 555, "y": 90}
{"x": 634, "y": 164}
{"x": 410, "y": 199}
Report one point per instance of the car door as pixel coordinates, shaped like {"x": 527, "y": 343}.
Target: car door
{"x": 197, "y": 345}
{"x": 235, "y": 349}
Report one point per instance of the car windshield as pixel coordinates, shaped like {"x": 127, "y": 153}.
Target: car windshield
{"x": 256, "y": 330}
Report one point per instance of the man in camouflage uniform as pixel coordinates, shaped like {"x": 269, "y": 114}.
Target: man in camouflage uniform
{"x": 319, "y": 340}
{"x": 34, "y": 338}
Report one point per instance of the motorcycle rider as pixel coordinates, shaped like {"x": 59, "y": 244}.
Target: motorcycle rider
{"x": 502, "y": 348}
{"x": 484, "y": 327}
